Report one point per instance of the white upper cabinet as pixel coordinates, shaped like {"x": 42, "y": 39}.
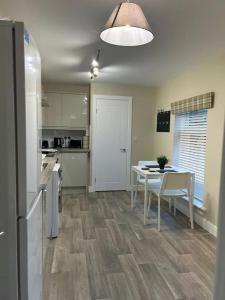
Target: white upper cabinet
{"x": 65, "y": 110}
{"x": 44, "y": 116}
{"x": 74, "y": 110}
{"x": 54, "y": 109}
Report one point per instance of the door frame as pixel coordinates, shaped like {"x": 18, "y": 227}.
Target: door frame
{"x": 93, "y": 139}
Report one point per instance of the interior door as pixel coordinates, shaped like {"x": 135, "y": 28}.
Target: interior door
{"x": 112, "y": 139}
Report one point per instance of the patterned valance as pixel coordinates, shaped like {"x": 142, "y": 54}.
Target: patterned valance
{"x": 191, "y": 104}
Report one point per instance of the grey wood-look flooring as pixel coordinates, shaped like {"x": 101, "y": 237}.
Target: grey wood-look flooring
{"x": 105, "y": 252}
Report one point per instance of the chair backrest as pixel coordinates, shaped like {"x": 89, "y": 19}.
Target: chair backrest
{"x": 146, "y": 162}
{"x": 176, "y": 181}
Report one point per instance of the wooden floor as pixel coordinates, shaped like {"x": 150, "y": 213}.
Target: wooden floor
{"x": 104, "y": 252}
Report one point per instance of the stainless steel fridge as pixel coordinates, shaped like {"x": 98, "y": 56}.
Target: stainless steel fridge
{"x": 20, "y": 164}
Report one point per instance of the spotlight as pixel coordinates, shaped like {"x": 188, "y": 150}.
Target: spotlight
{"x": 95, "y": 71}
{"x": 95, "y": 63}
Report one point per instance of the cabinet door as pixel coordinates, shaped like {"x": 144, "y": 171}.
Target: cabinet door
{"x": 44, "y": 116}
{"x": 31, "y": 252}
{"x": 74, "y": 169}
{"x": 74, "y": 110}
{"x": 54, "y": 115}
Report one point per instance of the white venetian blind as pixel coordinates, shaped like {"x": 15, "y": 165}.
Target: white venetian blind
{"x": 190, "y": 145}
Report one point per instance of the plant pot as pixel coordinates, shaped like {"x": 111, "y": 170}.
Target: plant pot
{"x": 161, "y": 166}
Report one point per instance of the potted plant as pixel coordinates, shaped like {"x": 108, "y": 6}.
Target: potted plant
{"x": 162, "y": 161}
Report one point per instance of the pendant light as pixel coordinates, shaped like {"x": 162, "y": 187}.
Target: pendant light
{"x": 127, "y": 26}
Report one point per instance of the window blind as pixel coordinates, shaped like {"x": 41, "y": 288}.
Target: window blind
{"x": 190, "y": 145}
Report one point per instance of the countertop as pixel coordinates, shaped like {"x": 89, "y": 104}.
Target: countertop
{"x": 47, "y": 172}
{"x": 72, "y": 150}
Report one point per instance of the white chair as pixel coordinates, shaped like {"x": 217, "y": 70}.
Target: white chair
{"x": 141, "y": 181}
{"x": 174, "y": 186}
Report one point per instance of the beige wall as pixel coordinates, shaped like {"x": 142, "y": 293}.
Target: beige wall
{"x": 142, "y": 118}
{"x": 207, "y": 78}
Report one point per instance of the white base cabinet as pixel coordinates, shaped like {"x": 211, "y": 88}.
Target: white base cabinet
{"x": 74, "y": 169}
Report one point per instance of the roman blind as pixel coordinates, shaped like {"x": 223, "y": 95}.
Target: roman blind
{"x": 190, "y": 136}
{"x": 200, "y": 102}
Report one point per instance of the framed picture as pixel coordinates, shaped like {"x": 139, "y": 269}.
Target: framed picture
{"x": 163, "y": 121}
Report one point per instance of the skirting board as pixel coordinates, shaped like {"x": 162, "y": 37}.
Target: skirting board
{"x": 91, "y": 189}
{"x": 208, "y": 226}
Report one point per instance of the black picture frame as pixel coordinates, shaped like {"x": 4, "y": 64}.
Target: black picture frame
{"x": 163, "y": 121}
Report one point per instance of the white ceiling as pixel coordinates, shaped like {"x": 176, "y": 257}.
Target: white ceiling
{"x": 67, "y": 33}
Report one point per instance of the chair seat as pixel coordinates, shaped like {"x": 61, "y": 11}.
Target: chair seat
{"x": 168, "y": 193}
{"x": 151, "y": 182}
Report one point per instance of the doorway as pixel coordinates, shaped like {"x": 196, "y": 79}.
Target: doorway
{"x": 111, "y": 150}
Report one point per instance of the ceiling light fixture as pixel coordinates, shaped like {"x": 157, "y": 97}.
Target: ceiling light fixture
{"x": 94, "y": 72}
{"x": 127, "y": 26}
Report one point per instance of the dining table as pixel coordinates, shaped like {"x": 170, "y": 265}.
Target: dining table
{"x": 150, "y": 170}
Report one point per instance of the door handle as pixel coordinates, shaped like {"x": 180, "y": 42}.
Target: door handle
{"x": 123, "y": 149}
{"x": 1, "y": 233}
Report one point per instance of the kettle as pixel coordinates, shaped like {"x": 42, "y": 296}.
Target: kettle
{"x": 57, "y": 142}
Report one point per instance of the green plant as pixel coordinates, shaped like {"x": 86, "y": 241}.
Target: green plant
{"x": 162, "y": 161}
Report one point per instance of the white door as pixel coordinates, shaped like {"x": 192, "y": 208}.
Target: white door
{"x": 111, "y": 142}
{"x": 31, "y": 252}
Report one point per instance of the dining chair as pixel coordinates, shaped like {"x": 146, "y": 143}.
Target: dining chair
{"x": 141, "y": 181}
{"x": 173, "y": 187}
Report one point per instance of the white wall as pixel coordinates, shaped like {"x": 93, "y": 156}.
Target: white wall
{"x": 206, "y": 78}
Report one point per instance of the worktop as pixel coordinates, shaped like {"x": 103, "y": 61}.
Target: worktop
{"x": 72, "y": 150}
{"x": 47, "y": 172}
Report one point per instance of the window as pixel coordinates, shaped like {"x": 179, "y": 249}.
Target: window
{"x": 190, "y": 145}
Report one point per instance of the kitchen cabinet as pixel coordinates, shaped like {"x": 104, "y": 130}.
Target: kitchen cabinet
{"x": 65, "y": 110}
{"x": 54, "y": 109}
{"x": 74, "y": 110}
{"x": 74, "y": 169}
{"x": 44, "y": 116}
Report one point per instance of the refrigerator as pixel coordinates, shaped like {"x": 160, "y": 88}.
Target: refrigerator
{"x": 20, "y": 164}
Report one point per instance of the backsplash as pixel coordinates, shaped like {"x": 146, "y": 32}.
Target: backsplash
{"x": 50, "y": 134}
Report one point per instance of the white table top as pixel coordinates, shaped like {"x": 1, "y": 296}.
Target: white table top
{"x": 154, "y": 171}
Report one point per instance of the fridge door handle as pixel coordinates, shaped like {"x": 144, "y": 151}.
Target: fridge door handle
{"x": 1, "y": 233}
{"x": 44, "y": 199}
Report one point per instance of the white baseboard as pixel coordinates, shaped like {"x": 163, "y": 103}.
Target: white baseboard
{"x": 201, "y": 221}
{"x": 91, "y": 189}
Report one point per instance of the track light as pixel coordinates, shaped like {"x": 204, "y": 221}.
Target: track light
{"x": 95, "y": 63}
{"x": 94, "y": 71}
